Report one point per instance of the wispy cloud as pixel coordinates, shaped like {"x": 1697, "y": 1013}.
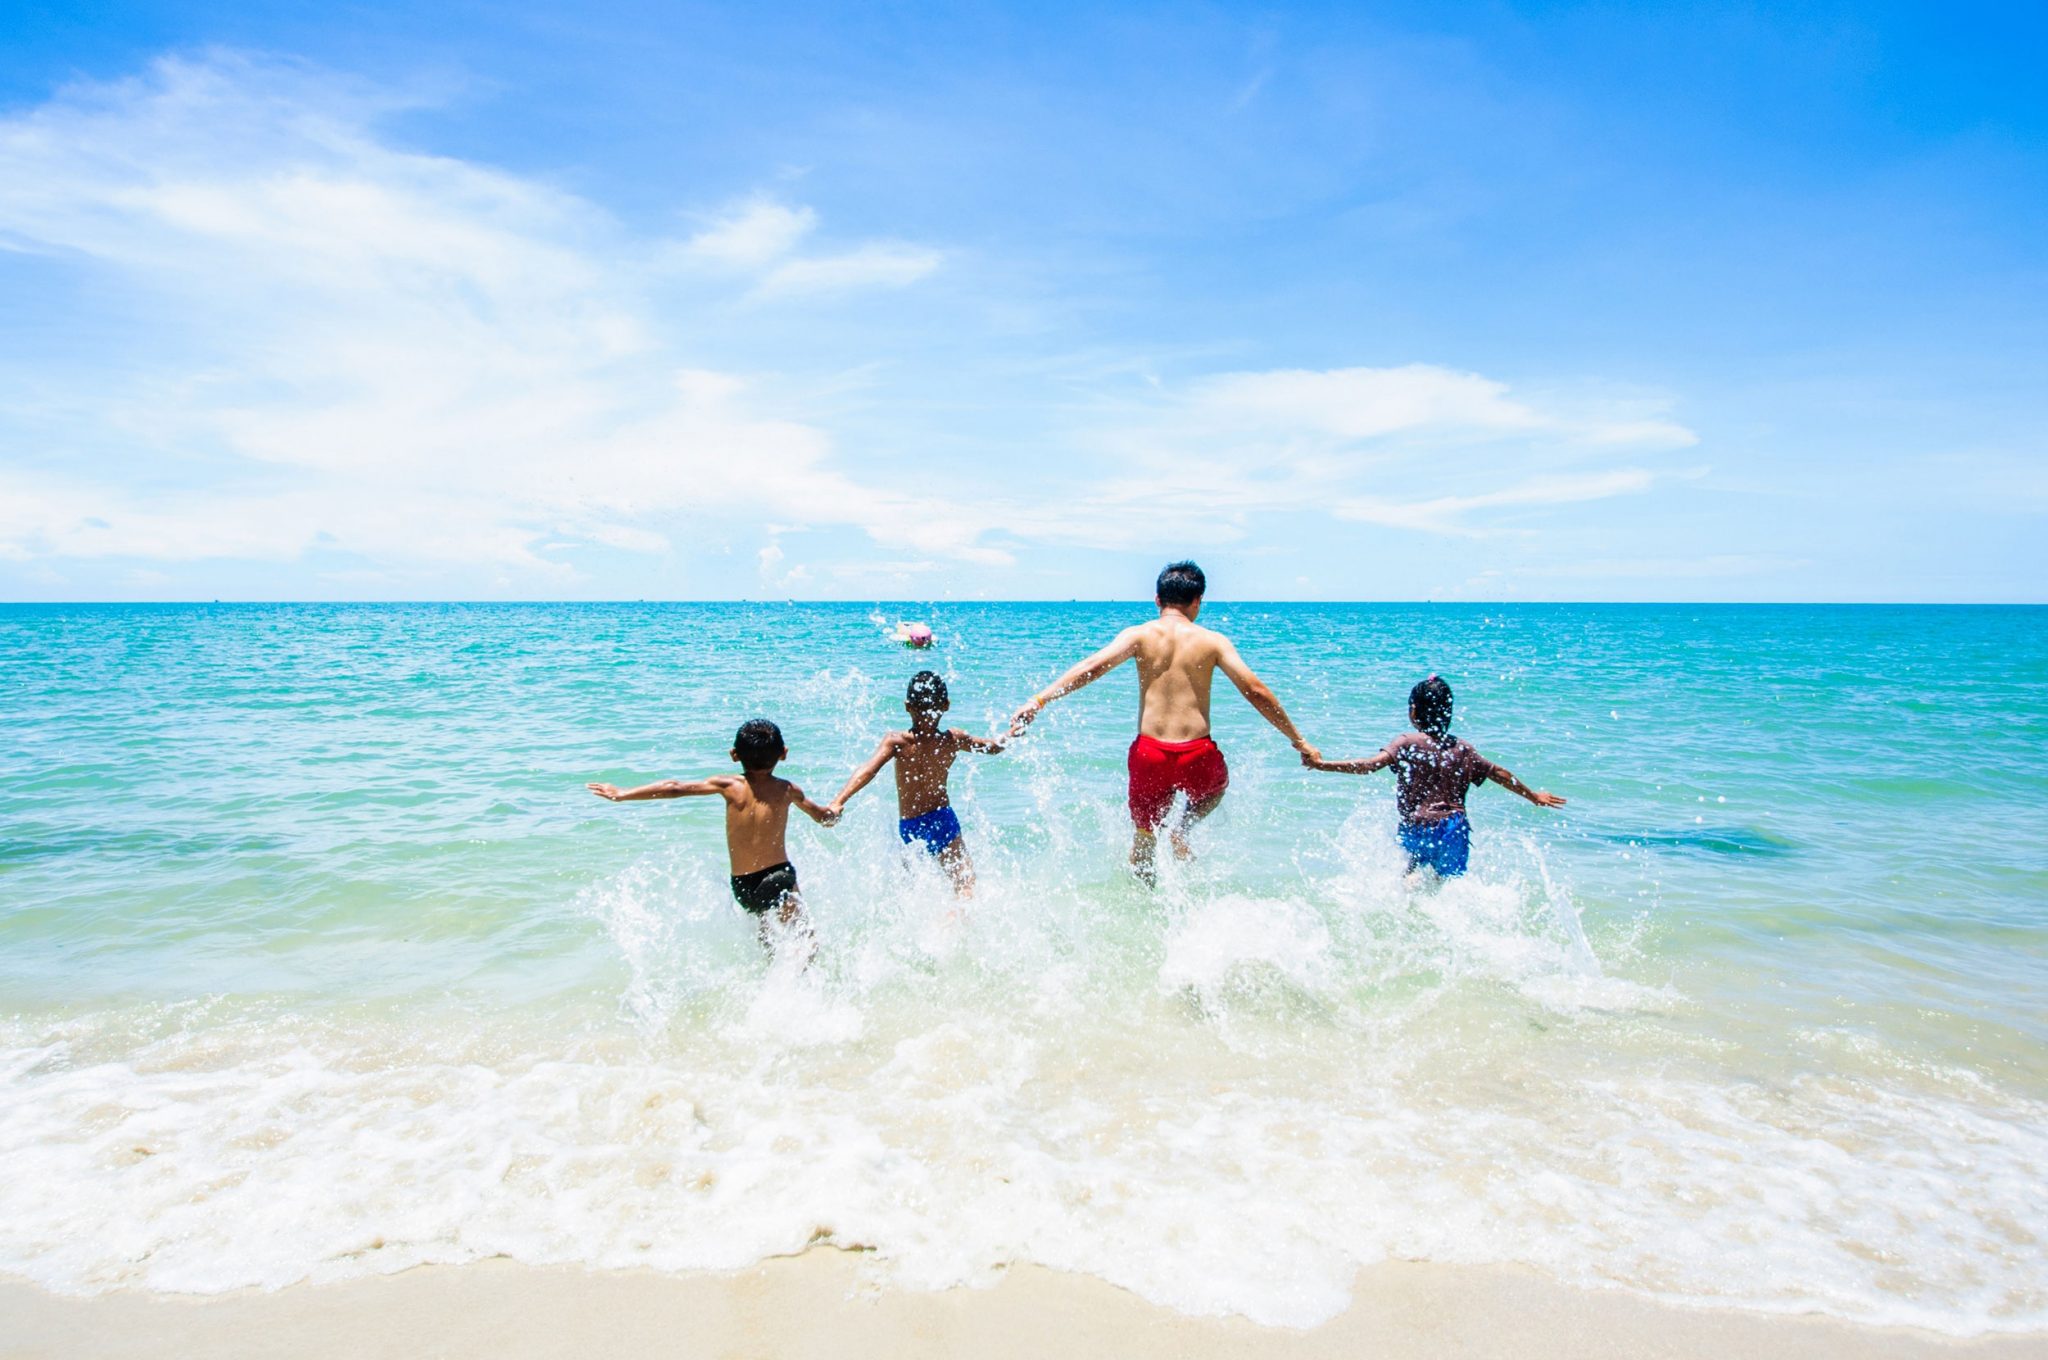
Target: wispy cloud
{"x": 1451, "y": 514}
{"x": 759, "y": 238}
{"x": 1705, "y": 566}
{"x": 391, "y": 354}
{"x": 1368, "y": 403}
{"x": 406, "y": 362}
{"x": 883, "y": 265}
{"x": 1414, "y": 447}
{"x": 753, "y": 234}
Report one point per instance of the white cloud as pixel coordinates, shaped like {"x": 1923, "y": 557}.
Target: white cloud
{"x": 1711, "y": 565}
{"x": 1415, "y": 447}
{"x": 429, "y": 365}
{"x": 760, "y": 237}
{"x": 397, "y": 355}
{"x": 1368, "y": 403}
{"x": 1450, "y": 514}
{"x": 873, "y": 266}
{"x": 1362, "y": 403}
{"x": 756, "y": 233}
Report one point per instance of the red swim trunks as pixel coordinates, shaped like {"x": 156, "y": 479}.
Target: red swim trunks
{"x": 1160, "y": 769}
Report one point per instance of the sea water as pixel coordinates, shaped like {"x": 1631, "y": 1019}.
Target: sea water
{"x": 317, "y": 961}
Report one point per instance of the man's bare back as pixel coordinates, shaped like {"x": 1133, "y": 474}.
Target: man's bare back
{"x": 1177, "y": 658}
{"x": 1173, "y": 755}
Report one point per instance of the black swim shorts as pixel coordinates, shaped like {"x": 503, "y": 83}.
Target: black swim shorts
{"x": 764, "y": 889}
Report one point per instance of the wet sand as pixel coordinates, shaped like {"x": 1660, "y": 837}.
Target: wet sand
{"x": 822, "y": 1303}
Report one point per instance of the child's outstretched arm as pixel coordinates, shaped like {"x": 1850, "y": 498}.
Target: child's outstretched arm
{"x": 865, "y": 775}
{"x": 666, "y": 788}
{"x": 1379, "y": 761}
{"x": 967, "y": 741}
{"x": 822, "y": 814}
{"x": 1503, "y": 776}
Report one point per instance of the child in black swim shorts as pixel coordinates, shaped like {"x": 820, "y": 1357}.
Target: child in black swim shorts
{"x": 757, "y": 805}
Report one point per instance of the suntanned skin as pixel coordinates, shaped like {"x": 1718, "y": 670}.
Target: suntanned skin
{"x": 757, "y": 804}
{"x": 924, "y": 758}
{"x": 1501, "y": 774}
{"x": 1177, "y": 659}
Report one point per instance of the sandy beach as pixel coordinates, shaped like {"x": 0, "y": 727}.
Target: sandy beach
{"x": 821, "y": 1303}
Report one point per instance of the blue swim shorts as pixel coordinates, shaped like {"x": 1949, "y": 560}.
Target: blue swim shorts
{"x": 1443, "y": 846}
{"x": 937, "y": 829}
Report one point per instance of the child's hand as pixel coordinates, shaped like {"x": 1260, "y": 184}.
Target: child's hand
{"x": 608, "y": 792}
{"x": 832, "y": 811}
{"x": 1542, "y": 799}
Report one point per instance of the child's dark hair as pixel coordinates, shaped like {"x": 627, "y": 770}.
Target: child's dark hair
{"x": 758, "y": 744}
{"x": 1429, "y": 704}
{"x": 1181, "y": 583}
{"x": 927, "y": 692}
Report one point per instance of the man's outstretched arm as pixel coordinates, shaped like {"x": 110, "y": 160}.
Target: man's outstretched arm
{"x": 1260, "y": 696}
{"x": 1084, "y": 672}
{"x": 1367, "y": 765}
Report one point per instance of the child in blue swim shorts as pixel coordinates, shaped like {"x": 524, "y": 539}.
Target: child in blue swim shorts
{"x": 1432, "y": 772}
{"x": 924, "y": 761}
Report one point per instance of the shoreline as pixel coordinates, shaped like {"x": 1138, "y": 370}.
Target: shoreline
{"x": 821, "y": 1302}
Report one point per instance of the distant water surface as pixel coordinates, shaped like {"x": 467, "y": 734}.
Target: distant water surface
{"x": 317, "y": 961}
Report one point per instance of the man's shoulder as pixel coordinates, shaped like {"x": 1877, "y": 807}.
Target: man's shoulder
{"x": 1181, "y": 632}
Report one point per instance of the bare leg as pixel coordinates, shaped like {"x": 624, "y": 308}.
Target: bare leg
{"x": 958, "y": 866}
{"x": 796, "y": 928}
{"x": 1181, "y": 848}
{"x": 1144, "y": 855}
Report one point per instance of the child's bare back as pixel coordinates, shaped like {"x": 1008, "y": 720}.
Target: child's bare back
{"x": 757, "y": 804}
{"x": 756, "y": 818}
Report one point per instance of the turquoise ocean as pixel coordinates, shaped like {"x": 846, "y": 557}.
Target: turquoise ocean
{"x": 317, "y": 961}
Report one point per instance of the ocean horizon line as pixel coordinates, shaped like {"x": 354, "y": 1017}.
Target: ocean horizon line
{"x": 928, "y": 603}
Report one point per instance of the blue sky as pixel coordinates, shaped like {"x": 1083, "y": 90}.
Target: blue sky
{"x": 912, "y": 302}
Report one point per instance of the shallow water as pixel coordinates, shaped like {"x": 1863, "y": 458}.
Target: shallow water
{"x": 316, "y": 960}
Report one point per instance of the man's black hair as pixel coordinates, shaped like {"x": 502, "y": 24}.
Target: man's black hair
{"x": 1429, "y": 703}
{"x": 758, "y": 744}
{"x": 927, "y": 691}
{"x": 1181, "y": 583}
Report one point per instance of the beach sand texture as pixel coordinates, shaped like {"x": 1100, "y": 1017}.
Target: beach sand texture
{"x": 819, "y": 1304}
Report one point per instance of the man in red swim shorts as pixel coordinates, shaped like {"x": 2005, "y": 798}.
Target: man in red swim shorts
{"x": 1173, "y": 754}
